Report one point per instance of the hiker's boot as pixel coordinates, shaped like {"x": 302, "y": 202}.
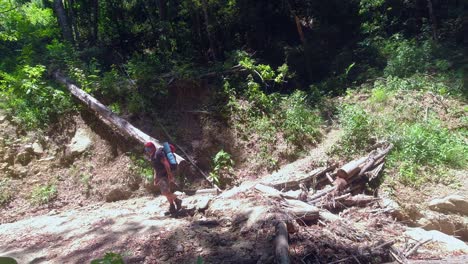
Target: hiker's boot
{"x": 172, "y": 209}
{"x": 178, "y": 203}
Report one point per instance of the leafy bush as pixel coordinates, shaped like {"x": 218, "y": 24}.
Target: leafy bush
{"x": 269, "y": 118}
{"x": 379, "y": 95}
{"x": 356, "y": 124}
{"x": 6, "y": 194}
{"x": 428, "y": 144}
{"x": 109, "y": 258}
{"x": 32, "y": 101}
{"x": 43, "y": 194}
{"x": 406, "y": 57}
{"x": 222, "y": 172}
{"x": 299, "y": 123}
{"x": 141, "y": 167}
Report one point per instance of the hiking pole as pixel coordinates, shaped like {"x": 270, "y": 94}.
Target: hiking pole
{"x": 190, "y": 160}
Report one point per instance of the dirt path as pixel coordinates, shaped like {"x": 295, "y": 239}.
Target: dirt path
{"x": 137, "y": 229}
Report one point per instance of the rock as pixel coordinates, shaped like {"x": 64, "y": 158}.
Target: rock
{"x": 447, "y": 242}
{"x": 25, "y": 155}
{"x": 9, "y": 156}
{"x": 117, "y": 195}
{"x": 37, "y": 149}
{"x": 179, "y": 248}
{"x": 80, "y": 142}
{"x": 19, "y": 171}
{"x": 393, "y": 208}
{"x": 4, "y": 166}
{"x": 450, "y": 204}
{"x": 203, "y": 202}
{"x": 449, "y": 224}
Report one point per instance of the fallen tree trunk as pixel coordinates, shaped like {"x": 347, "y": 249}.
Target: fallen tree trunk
{"x": 372, "y": 158}
{"x": 119, "y": 123}
{"x": 301, "y": 210}
{"x": 122, "y": 125}
{"x": 281, "y": 244}
{"x": 292, "y": 182}
{"x": 350, "y": 169}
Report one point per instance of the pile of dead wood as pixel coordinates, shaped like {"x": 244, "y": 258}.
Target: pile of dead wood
{"x": 318, "y": 197}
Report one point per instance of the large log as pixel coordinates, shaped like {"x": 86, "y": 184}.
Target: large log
{"x": 281, "y": 244}
{"x": 301, "y": 210}
{"x": 350, "y": 169}
{"x": 293, "y": 181}
{"x": 119, "y": 123}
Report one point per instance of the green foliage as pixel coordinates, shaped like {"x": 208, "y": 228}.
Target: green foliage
{"x": 424, "y": 147}
{"x": 263, "y": 71}
{"x": 267, "y": 119}
{"x": 199, "y": 260}
{"x": 222, "y": 172}
{"x": 85, "y": 179}
{"x": 32, "y": 101}
{"x": 444, "y": 84}
{"x": 6, "y": 194}
{"x": 299, "y": 123}
{"x": 109, "y": 258}
{"x": 431, "y": 144}
{"x": 141, "y": 166}
{"x": 43, "y": 194}
{"x": 357, "y": 128}
{"x": 115, "y": 108}
{"x": 406, "y": 57}
{"x": 379, "y": 95}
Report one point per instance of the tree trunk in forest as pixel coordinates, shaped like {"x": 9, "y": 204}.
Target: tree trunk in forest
{"x": 63, "y": 21}
{"x": 299, "y": 30}
{"x": 307, "y": 56}
{"x": 162, "y": 10}
{"x": 74, "y": 26}
{"x": 212, "y": 51}
{"x": 95, "y": 32}
{"x": 433, "y": 20}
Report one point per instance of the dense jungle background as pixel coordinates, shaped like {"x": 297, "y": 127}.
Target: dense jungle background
{"x": 242, "y": 88}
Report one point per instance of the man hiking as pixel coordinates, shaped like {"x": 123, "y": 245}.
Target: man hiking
{"x": 163, "y": 175}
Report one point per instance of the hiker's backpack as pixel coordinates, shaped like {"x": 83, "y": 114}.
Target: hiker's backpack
{"x": 169, "y": 151}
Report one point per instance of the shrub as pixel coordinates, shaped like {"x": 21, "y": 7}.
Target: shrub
{"x": 109, "y": 258}
{"x": 32, "y": 101}
{"x": 356, "y": 124}
{"x": 6, "y": 194}
{"x": 43, "y": 194}
{"x": 431, "y": 144}
{"x": 406, "y": 57}
{"x": 141, "y": 167}
{"x": 222, "y": 172}
{"x": 300, "y": 123}
{"x": 379, "y": 95}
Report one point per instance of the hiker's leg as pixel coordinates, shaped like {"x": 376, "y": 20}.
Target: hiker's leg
{"x": 166, "y": 191}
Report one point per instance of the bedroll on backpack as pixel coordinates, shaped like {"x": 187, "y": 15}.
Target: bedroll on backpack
{"x": 169, "y": 151}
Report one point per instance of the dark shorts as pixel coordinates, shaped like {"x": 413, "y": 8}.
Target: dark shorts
{"x": 164, "y": 185}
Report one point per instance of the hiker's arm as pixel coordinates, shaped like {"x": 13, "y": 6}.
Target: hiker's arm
{"x": 168, "y": 169}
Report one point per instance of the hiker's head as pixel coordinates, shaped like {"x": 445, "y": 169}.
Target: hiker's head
{"x": 150, "y": 148}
